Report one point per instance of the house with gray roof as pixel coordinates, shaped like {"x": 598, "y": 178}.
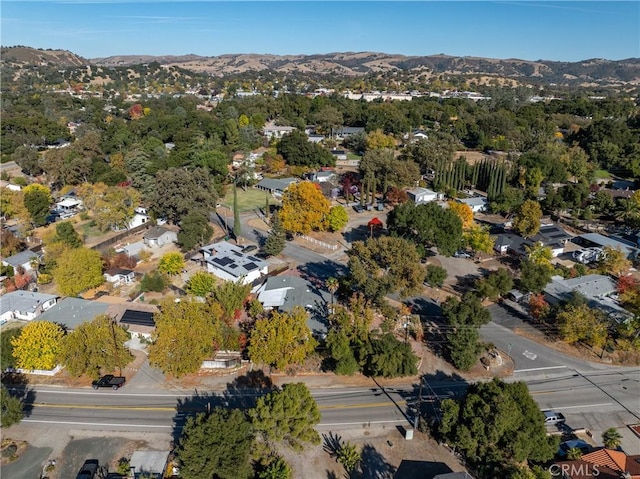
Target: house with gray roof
{"x": 596, "y": 239}
{"x": 72, "y": 312}
{"x": 159, "y": 236}
{"x": 275, "y": 186}
{"x": 476, "y": 203}
{"x": 284, "y": 293}
{"x": 22, "y": 259}
{"x": 25, "y": 305}
{"x": 149, "y": 464}
{"x": 228, "y": 262}
{"x": 598, "y": 289}
{"x": 421, "y": 195}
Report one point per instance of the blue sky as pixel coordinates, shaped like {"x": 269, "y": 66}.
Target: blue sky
{"x": 529, "y": 30}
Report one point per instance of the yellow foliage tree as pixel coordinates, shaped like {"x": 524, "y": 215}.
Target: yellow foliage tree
{"x": 377, "y": 140}
{"x": 581, "y": 323}
{"x": 614, "y": 261}
{"x": 462, "y": 211}
{"x": 110, "y": 206}
{"x": 478, "y": 239}
{"x": 304, "y": 208}
{"x": 78, "y": 269}
{"x": 282, "y": 339}
{"x": 171, "y": 263}
{"x": 38, "y": 346}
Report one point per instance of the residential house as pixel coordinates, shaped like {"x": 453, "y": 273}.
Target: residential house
{"x": 149, "y": 464}
{"x": 347, "y": 131}
{"x": 69, "y": 203}
{"x": 72, "y": 312}
{"x": 340, "y": 155}
{"x": 598, "y": 289}
{"x": 603, "y": 464}
{"x": 118, "y": 276}
{"x": 421, "y": 195}
{"x": 275, "y": 186}
{"x": 228, "y": 262}
{"x": 283, "y": 293}
{"x": 274, "y": 131}
{"x": 315, "y": 138}
{"x": 596, "y": 239}
{"x": 23, "y": 260}
{"x": 477, "y": 204}
{"x": 415, "y": 135}
{"x": 549, "y": 235}
{"x": 323, "y": 176}
{"x": 137, "y": 318}
{"x": 132, "y": 249}
{"x": 159, "y": 236}
{"x": 10, "y": 186}
{"x": 25, "y": 305}
{"x": 510, "y": 243}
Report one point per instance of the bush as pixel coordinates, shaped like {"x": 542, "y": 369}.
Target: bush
{"x": 435, "y": 275}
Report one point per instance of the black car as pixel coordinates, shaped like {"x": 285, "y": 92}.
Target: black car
{"x": 109, "y": 381}
{"x": 88, "y": 469}
{"x": 249, "y": 248}
{"x": 359, "y": 208}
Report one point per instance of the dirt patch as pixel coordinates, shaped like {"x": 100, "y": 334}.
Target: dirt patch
{"x": 11, "y": 450}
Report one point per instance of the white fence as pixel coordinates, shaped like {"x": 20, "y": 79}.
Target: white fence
{"x": 41, "y": 372}
{"x": 332, "y": 247}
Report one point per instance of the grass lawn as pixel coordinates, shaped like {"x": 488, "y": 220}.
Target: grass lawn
{"x": 602, "y": 174}
{"x": 248, "y": 200}
{"x": 353, "y": 156}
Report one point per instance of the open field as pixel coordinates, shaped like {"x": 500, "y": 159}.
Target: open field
{"x": 248, "y": 200}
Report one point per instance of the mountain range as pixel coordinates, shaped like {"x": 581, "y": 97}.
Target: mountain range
{"x": 593, "y": 72}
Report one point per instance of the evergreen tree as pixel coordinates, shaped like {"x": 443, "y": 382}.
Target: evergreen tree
{"x": 237, "y": 228}
{"x": 276, "y": 240}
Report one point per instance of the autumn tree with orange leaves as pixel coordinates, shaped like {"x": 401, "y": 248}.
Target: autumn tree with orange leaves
{"x": 304, "y": 208}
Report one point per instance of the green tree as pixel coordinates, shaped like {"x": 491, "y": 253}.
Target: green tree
{"x": 276, "y": 468}
{"x": 184, "y": 336}
{"x": 296, "y": 149}
{"x": 237, "y": 227}
{"x": 332, "y": 285}
{"x": 95, "y": 347}
{"x": 497, "y": 283}
{"x": 276, "y": 239}
{"x": 328, "y": 119}
{"x": 435, "y": 275}
{"x": 527, "y": 219}
{"x": 153, "y": 281}
{"x": 614, "y": 261}
{"x": 390, "y": 358}
{"x": 282, "y": 340}
{"x": 66, "y": 234}
{"x": 288, "y": 416}
{"x": 534, "y": 277}
{"x": 539, "y": 254}
{"x": 611, "y": 438}
{"x": 38, "y": 346}
{"x": 171, "y": 263}
{"x": 37, "y": 200}
{"x": 349, "y": 456}
{"x": 195, "y": 230}
{"x": 231, "y": 297}
{"x": 77, "y": 270}
{"x": 337, "y": 218}
{"x": 574, "y": 453}
{"x": 11, "y": 407}
{"x": 201, "y": 283}
{"x": 341, "y": 350}
{"x": 497, "y": 424}
{"x": 6, "y": 347}
{"x": 216, "y": 445}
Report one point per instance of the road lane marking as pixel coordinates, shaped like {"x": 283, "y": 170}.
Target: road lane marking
{"x": 367, "y": 405}
{"x": 585, "y": 405}
{"x": 398, "y": 421}
{"x": 94, "y": 424}
{"x": 538, "y": 369}
{"x": 530, "y": 355}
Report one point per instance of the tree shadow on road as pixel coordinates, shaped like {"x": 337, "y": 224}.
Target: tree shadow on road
{"x": 373, "y": 464}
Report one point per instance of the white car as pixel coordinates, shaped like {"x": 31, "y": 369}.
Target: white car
{"x": 461, "y": 254}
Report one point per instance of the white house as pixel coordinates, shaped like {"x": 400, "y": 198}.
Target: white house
{"x": 340, "y": 155}
{"x": 275, "y": 186}
{"x": 23, "y": 260}
{"x": 228, "y": 262}
{"x": 421, "y": 195}
{"x": 477, "y": 204}
{"x": 118, "y": 276}
{"x": 159, "y": 236}
{"x": 139, "y": 218}
{"x": 25, "y": 305}
{"x": 275, "y": 131}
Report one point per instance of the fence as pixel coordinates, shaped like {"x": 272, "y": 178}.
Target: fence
{"x": 332, "y": 247}
{"x": 41, "y": 372}
{"x": 103, "y": 245}
{"x": 224, "y": 360}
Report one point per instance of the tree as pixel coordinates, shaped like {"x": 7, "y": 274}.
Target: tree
{"x": 328, "y": 119}
{"x": 497, "y": 424}
{"x": 153, "y": 281}
{"x": 614, "y": 261}
{"x": 95, "y": 347}
{"x": 216, "y": 445}
{"x": 539, "y": 254}
{"x": 195, "y": 230}
{"x": 435, "y": 275}
{"x": 112, "y": 207}
{"x": 38, "y": 346}
{"x": 231, "y": 297}
{"x": 332, "y": 285}
{"x": 6, "y": 348}
{"x": 349, "y": 456}
{"x": 462, "y": 211}
{"x": 184, "y": 336}
{"x": 582, "y": 323}
{"x": 282, "y": 340}
{"x": 171, "y": 263}
{"x": 574, "y": 453}
{"x": 237, "y": 226}
{"x": 534, "y": 277}
{"x": 11, "y": 407}
{"x": 65, "y": 233}
{"x": 527, "y": 219}
{"x": 478, "y": 239}
{"x": 377, "y": 140}
{"x": 611, "y": 438}
{"x": 201, "y": 284}
{"x": 296, "y": 149}
{"x": 276, "y": 468}
{"x": 288, "y": 416}
{"x": 383, "y": 265}
{"x": 304, "y": 208}
{"x": 28, "y": 159}
{"x": 389, "y": 357}
{"x": 538, "y": 307}
{"x": 77, "y": 270}
{"x": 276, "y": 239}
{"x": 337, "y": 218}
{"x": 37, "y": 200}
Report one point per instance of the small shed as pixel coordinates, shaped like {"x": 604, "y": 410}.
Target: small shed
{"x": 149, "y": 464}
{"x": 421, "y": 195}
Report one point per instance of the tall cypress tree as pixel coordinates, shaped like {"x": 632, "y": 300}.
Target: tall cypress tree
{"x": 237, "y": 228}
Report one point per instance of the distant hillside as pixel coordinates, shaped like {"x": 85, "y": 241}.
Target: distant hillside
{"x": 32, "y": 56}
{"x": 593, "y": 72}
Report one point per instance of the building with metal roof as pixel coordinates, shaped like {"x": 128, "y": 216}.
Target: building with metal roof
{"x": 72, "y": 312}
{"x": 596, "y": 239}
{"x": 228, "y": 262}
{"x": 25, "y": 305}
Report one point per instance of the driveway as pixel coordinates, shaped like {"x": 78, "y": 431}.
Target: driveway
{"x": 28, "y": 465}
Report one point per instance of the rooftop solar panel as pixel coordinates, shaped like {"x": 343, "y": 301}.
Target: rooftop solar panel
{"x": 250, "y": 266}
{"x": 140, "y": 318}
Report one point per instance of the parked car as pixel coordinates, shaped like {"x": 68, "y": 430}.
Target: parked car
{"x": 249, "y": 248}
{"x": 109, "y": 381}
{"x": 553, "y": 418}
{"x": 359, "y": 208}
{"x": 88, "y": 469}
{"x": 461, "y": 254}
{"x": 584, "y": 447}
